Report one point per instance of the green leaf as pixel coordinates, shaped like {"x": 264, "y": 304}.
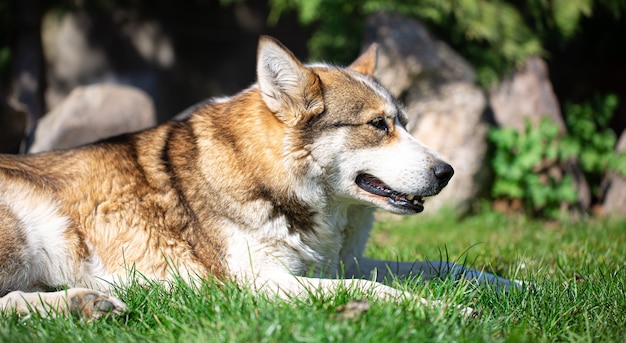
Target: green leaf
{"x": 567, "y": 14}
{"x": 617, "y": 163}
{"x": 503, "y": 188}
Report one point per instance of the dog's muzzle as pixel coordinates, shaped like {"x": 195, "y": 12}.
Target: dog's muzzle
{"x": 408, "y": 203}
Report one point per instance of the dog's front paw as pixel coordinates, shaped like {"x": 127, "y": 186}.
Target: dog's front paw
{"x": 92, "y": 304}
{"x": 86, "y": 303}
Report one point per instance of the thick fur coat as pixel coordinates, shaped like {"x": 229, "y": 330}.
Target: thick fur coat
{"x": 273, "y": 187}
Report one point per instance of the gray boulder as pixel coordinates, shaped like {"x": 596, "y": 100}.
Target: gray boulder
{"x": 91, "y": 113}
{"x": 447, "y": 111}
{"x": 527, "y": 94}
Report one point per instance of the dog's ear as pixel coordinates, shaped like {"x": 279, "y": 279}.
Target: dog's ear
{"x": 366, "y": 63}
{"x": 288, "y": 88}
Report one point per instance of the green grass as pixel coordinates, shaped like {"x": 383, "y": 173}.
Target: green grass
{"x": 578, "y": 294}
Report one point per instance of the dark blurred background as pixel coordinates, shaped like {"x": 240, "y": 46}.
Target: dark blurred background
{"x": 182, "y": 52}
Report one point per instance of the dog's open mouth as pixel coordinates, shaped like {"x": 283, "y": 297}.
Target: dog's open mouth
{"x": 407, "y": 202}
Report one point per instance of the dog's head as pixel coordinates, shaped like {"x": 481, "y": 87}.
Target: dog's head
{"x": 349, "y": 130}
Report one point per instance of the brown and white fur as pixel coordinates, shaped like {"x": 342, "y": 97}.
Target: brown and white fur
{"x": 273, "y": 187}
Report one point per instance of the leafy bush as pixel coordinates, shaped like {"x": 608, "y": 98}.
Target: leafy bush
{"x": 590, "y": 136}
{"x": 494, "y": 35}
{"x": 527, "y": 165}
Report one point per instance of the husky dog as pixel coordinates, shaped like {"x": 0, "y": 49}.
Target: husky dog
{"x": 274, "y": 187}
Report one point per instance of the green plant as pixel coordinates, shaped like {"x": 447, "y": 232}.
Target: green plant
{"x": 527, "y": 167}
{"x": 338, "y": 25}
{"x": 590, "y": 135}
{"x": 494, "y": 35}
{"x": 527, "y": 164}
{"x": 491, "y": 34}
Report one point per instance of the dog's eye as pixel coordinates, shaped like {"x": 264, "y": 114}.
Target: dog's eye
{"x": 380, "y": 124}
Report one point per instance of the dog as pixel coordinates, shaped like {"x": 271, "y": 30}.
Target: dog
{"x": 274, "y": 188}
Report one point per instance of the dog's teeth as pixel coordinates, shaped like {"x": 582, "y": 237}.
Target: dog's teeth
{"x": 410, "y": 197}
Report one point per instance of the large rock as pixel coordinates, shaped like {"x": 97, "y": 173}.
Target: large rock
{"x": 447, "y": 111}
{"x": 528, "y": 94}
{"x": 614, "y": 203}
{"x": 91, "y": 113}
{"x": 83, "y": 48}
{"x": 170, "y": 51}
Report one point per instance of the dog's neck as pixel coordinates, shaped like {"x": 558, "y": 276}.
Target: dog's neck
{"x": 290, "y": 197}
{"x": 339, "y": 235}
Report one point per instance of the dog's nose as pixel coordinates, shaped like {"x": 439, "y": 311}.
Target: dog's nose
{"x": 443, "y": 173}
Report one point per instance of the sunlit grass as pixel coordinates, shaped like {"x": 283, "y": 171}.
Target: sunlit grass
{"x": 576, "y": 292}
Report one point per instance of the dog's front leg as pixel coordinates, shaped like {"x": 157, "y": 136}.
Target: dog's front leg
{"x": 84, "y": 302}
{"x": 425, "y": 270}
{"x": 290, "y": 287}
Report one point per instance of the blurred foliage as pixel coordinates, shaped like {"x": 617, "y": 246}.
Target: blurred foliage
{"x": 592, "y": 139}
{"x": 494, "y": 35}
{"x": 527, "y": 168}
{"x": 338, "y": 25}
{"x": 527, "y": 165}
